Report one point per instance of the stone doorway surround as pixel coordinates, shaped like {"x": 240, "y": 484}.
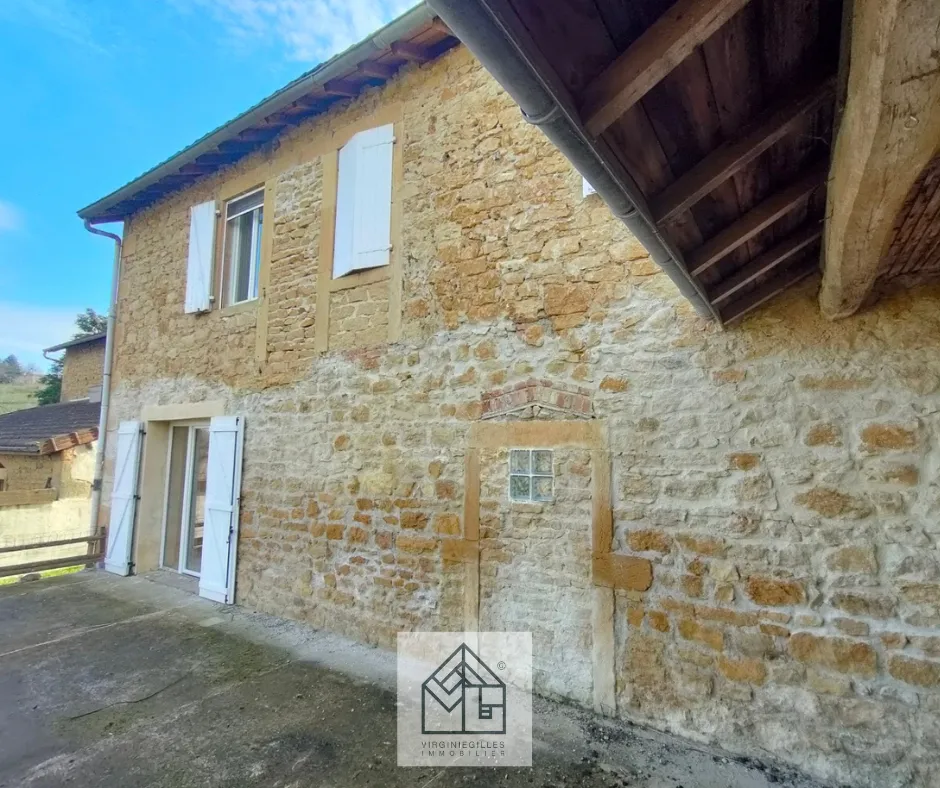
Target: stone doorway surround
{"x": 610, "y": 571}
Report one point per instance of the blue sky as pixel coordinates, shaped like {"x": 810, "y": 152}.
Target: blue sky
{"x": 95, "y": 92}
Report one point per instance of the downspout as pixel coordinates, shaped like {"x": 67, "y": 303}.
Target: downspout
{"x": 106, "y": 381}
{"x": 492, "y": 45}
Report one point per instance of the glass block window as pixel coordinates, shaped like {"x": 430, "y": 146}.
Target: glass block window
{"x": 531, "y": 475}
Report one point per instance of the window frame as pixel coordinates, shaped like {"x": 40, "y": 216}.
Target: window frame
{"x": 531, "y": 474}
{"x": 392, "y": 273}
{"x": 352, "y": 175}
{"x": 226, "y": 280}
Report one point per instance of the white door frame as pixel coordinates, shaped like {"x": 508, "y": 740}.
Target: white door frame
{"x": 185, "y": 523}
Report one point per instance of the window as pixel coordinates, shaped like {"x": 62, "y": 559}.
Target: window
{"x": 242, "y": 247}
{"x": 364, "y": 202}
{"x": 531, "y": 475}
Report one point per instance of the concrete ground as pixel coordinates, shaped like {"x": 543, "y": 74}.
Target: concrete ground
{"x": 125, "y": 682}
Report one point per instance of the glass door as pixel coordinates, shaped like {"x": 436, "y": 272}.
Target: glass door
{"x": 184, "y": 513}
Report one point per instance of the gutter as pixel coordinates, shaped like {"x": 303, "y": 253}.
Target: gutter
{"x": 340, "y": 64}
{"x": 106, "y": 380}
{"x": 481, "y": 30}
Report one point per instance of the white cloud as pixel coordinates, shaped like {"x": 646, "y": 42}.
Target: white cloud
{"x": 26, "y": 329}
{"x": 11, "y": 217}
{"x": 310, "y": 30}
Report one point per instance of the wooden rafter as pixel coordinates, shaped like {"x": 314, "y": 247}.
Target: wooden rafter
{"x": 410, "y": 52}
{"x": 440, "y": 26}
{"x": 766, "y": 262}
{"x": 731, "y": 157}
{"x": 236, "y": 146}
{"x": 750, "y": 301}
{"x": 309, "y": 101}
{"x": 341, "y": 87}
{"x": 756, "y": 220}
{"x": 212, "y": 159}
{"x": 658, "y": 51}
{"x": 196, "y": 168}
{"x": 261, "y": 134}
{"x": 369, "y": 68}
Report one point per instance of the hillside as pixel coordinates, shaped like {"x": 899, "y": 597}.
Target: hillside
{"x": 16, "y": 396}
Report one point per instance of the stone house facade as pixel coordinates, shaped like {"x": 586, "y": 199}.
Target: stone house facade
{"x": 83, "y": 365}
{"x": 739, "y": 540}
{"x": 46, "y": 472}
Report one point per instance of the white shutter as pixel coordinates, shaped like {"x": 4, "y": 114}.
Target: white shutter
{"x": 364, "y": 202}
{"x": 223, "y": 488}
{"x": 199, "y": 266}
{"x": 120, "y": 540}
{"x": 345, "y": 210}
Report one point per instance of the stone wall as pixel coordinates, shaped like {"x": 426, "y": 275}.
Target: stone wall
{"x": 31, "y": 471}
{"x": 65, "y": 513}
{"x": 84, "y": 368}
{"x": 781, "y": 475}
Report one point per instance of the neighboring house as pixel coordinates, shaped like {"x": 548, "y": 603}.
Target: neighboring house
{"x": 380, "y": 365}
{"x": 47, "y": 457}
{"x": 83, "y": 366}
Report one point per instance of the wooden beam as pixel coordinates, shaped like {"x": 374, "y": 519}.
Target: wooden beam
{"x": 236, "y": 146}
{"x": 766, "y": 262}
{"x": 263, "y": 134}
{"x": 341, "y": 87}
{"x": 310, "y": 100}
{"x": 410, "y": 52}
{"x": 56, "y": 543}
{"x": 772, "y": 287}
{"x": 440, "y": 26}
{"x": 41, "y": 566}
{"x": 756, "y": 220}
{"x": 213, "y": 159}
{"x": 651, "y": 57}
{"x": 731, "y": 157}
{"x": 889, "y": 132}
{"x": 195, "y": 168}
{"x": 369, "y": 68}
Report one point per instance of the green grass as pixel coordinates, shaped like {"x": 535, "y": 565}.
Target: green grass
{"x": 16, "y": 396}
{"x": 6, "y": 581}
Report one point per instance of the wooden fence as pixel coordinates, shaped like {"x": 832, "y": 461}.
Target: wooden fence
{"x": 94, "y": 552}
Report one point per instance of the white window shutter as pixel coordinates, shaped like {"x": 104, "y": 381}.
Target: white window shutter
{"x": 199, "y": 265}
{"x": 223, "y": 489}
{"x": 120, "y": 539}
{"x": 364, "y": 202}
{"x": 345, "y": 210}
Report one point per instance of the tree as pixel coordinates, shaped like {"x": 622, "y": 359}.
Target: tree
{"x": 88, "y": 322}
{"x": 10, "y": 369}
{"x": 51, "y": 383}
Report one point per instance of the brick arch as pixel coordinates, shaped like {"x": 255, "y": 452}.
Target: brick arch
{"x": 535, "y": 399}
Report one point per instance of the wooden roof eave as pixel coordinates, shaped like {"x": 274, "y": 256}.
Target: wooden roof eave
{"x": 684, "y": 27}
{"x": 364, "y": 65}
{"x": 491, "y": 30}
